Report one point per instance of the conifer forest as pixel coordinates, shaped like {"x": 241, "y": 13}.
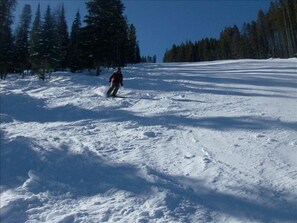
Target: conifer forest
{"x": 272, "y": 34}
{"x": 42, "y": 43}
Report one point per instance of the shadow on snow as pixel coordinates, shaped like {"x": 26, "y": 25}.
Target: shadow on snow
{"x": 59, "y": 171}
{"x": 34, "y": 110}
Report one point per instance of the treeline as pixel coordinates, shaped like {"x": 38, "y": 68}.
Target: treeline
{"x": 149, "y": 59}
{"x": 45, "y": 44}
{"x": 273, "y": 34}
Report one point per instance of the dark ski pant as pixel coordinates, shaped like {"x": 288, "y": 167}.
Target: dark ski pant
{"x": 113, "y": 90}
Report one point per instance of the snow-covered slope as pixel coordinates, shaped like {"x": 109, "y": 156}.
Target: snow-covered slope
{"x": 190, "y": 142}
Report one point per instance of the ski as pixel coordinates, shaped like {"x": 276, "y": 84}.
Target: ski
{"x": 117, "y": 96}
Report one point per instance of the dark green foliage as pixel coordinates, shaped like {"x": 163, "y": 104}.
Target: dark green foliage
{"x": 133, "y": 52}
{"x": 62, "y": 40}
{"x": 75, "y": 45}
{"x": 106, "y": 40}
{"x": 149, "y": 59}
{"x": 6, "y": 38}
{"x": 35, "y": 48}
{"x": 49, "y": 54}
{"x": 22, "y": 40}
{"x": 106, "y": 33}
{"x": 272, "y": 35}
{"x": 229, "y": 43}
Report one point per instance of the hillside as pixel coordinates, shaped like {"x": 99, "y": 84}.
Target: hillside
{"x": 189, "y": 142}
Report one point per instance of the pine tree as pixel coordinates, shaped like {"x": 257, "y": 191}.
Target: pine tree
{"x": 244, "y": 44}
{"x": 138, "y": 57}
{"x": 262, "y": 30}
{"x": 22, "y": 40}
{"x": 62, "y": 39}
{"x": 149, "y": 59}
{"x": 133, "y": 48}
{"x": 119, "y": 39}
{"x": 279, "y": 27}
{"x": 155, "y": 59}
{"x": 273, "y": 34}
{"x": 189, "y": 51}
{"x": 106, "y": 33}
{"x": 74, "y": 50}
{"x": 6, "y": 38}
{"x": 204, "y": 49}
{"x": 226, "y": 43}
{"x": 50, "y": 51}
{"x": 35, "y": 49}
{"x": 290, "y": 26}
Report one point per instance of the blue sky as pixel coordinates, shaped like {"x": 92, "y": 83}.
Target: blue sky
{"x": 162, "y": 23}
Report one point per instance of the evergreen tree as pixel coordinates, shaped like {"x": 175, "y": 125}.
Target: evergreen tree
{"x": 262, "y": 30}
{"x": 278, "y": 29}
{"x": 214, "y": 45}
{"x": 155, "y": 59}
{"x": 254, "y": 44}
{"x": 181, "y": 55}
{"x": 171, "y": 55}
{"x": 271, "y": 35}
{"x": 6, "y": 38}
{"x": 50, "y": 52}
{"x": 133, "y": 54}
{"x": 22, "y": 40}
{"x": 62, "y": 39}
{"x": 229, "y": 43}
{"x": 74, "y": 50}
{"x": 138, "y": 57}
{"x": 244, "y": 43}
{"x": 35, "y": 49}
{"x": 289, "y": 16}
{"x": 106, "y": 33}
{"x": 149, "y": 59}
{"x": 203, "y": 49}
{"x": 119, "y": 40}
{"x": 189, "y": 51}
{"x": 87, "y": 58}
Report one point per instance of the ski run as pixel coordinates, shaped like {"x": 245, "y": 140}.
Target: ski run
{"x": 187, "y": 142}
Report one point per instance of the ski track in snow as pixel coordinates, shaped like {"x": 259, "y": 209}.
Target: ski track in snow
{"x": 190, "y": 142}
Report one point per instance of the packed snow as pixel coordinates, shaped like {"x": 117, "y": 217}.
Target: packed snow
{"x": 186, "y": 142}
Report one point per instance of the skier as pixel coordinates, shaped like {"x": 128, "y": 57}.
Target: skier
{"x": 116, "y": 79}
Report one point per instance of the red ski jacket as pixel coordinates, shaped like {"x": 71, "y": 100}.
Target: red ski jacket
{"x": 116, "y": 78}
